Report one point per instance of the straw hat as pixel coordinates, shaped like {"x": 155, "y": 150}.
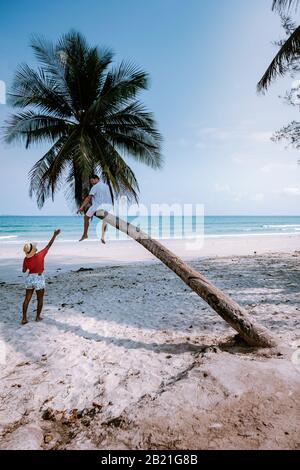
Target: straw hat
{"x": 30, "y": 249}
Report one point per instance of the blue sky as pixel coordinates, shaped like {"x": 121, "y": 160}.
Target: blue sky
{"x": 204, "y": 58}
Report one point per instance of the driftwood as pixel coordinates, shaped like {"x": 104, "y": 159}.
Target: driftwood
{"x": 253, "y": 333}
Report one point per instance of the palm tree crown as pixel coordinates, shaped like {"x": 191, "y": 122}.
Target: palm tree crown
{"x": 289, "y": 52}
{"x": 89, "y": 113}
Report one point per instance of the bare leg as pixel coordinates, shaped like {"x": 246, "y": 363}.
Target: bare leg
{"x": 27, "y": 299}
{"x": 104, "y": 228}
{"x": 40, "y": 302}
{"x": 85, "y": 228}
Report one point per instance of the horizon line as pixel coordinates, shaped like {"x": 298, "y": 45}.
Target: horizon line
{"x": 205, "y": 215}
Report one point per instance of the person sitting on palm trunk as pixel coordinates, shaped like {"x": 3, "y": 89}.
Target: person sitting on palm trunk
{"x": 97, "y": 196}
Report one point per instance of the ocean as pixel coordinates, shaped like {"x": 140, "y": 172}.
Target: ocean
{"x": 20, "y": 229}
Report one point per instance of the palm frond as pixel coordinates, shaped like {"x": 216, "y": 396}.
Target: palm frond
{"x": 46, "y": 175}
{"x": 33, "y": 88}
{"x": 52, "y": 61}
{"x": 136, "y": 143}
{"x": 39, "y": 183}
{"x": 284, "y": 5}
{"x": 121, "y": 85}
{"x": 278, "y": 66}
{"x": 115, "y": 172}
{"x": 30, "y": 127}
{"x": 84, "y": 69}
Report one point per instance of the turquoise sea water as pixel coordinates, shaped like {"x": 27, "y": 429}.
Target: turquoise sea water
{"x": 17, "y": 229}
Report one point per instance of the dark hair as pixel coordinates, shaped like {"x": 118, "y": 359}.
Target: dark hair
{"x": 94, "y": 177}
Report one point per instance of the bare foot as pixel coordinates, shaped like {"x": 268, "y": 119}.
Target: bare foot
{"x": 84, "y": 237}
{"x": 24, "y": 321}
{"x": 103, "y": 241}
{"x": 38, "y": 319}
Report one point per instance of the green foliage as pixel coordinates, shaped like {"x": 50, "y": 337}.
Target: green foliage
{"x": 87, "y": 110}
{"x": 287, "y": 56}
{"x": 284, "y": 5}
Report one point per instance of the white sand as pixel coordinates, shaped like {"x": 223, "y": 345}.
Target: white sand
{"x": 128, "y": 357}
{"x": 73, "y": 255}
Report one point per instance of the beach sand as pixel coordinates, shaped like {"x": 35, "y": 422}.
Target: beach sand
{"x": 128, "y": 357}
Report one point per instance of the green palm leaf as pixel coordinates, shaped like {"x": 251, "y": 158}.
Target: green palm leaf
{"x": 278, "y": 66}
{"x": 88, "y": 111}
{"x": 284, "y": 5}
{"x": 29, "y": 126}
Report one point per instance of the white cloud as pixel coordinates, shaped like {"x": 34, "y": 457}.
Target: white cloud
{"x": 257, "y": 197}
{"x": 215, "y": 133}
{"x": 241, "y": 158}
{"x": 278, "y": 166}
{"x": 200, "y": 145}
{"x": 221, "y": 188}
{"x": 237, "y": 158}
{"x": 225, "y": 188}
{"x": 182, "y": 142}
{"x": 235, "y": 133}
{"x": 291, "y": 191}
{"x": 237, "y": 195}
{"x": 262, "y": 136}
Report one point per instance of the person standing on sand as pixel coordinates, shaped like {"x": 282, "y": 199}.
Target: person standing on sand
{"x": 34, "y": 264}
{"x": 98, "y": 195}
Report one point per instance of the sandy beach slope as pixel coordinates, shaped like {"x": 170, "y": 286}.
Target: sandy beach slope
{"x": 128, "y": 357}
{"x": 65, "y": 256}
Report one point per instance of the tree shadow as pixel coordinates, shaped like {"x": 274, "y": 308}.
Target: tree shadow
{"x": 163, "y": 302}
{"x": 169, "y": 348}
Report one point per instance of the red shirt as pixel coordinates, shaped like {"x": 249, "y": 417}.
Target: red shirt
{"x": 35, "y": 264}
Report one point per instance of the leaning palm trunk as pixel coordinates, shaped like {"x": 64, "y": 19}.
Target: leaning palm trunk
{"x": 230, "y": 311}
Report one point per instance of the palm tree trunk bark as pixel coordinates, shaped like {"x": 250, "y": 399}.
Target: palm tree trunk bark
{"x": 253, "y": 333}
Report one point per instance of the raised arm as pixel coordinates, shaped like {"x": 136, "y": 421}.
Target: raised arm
{"x": 55, "y": 234}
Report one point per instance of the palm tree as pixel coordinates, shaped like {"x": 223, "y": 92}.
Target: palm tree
{"x": 88, "y": 112}
{"x": 288, "y": 52}
{"x": 91, "y": 118}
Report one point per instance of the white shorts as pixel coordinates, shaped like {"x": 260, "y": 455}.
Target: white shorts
{"x": 91, "y": 211}
{"x": 35, "y": 281}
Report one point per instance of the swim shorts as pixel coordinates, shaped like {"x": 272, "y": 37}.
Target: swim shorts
{"x": 35, "y": 281}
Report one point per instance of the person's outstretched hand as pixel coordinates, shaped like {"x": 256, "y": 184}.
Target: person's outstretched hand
{"x": 56, "y": 232}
